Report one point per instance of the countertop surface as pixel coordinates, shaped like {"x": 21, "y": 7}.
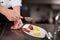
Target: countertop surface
{"x": 20, "y": 35}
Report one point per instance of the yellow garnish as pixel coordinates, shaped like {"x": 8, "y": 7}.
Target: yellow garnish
{"x": 36, "y": 34}
{"x": 36, "y": 28}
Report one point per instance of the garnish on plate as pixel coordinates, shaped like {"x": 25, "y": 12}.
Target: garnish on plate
{"x": 30, "y": 27}
{"x": 36, "y": 28}
{"x": 26, "y": 30}
{"x": 36, "y": 33}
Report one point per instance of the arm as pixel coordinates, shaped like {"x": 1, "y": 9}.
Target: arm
{"x": 4, "y": 10}
{"x": 15, "y": 12}
{"x": 16, "y": 9}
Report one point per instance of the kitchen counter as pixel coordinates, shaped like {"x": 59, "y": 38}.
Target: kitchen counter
{"x": 20, "y": 35}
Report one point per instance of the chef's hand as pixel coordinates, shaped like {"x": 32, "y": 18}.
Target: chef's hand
{"x": 12, "y": 16}
{"x": 17, "y": 24}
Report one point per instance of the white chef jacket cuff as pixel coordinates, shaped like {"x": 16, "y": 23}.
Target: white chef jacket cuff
{"x": 16, "y": 5}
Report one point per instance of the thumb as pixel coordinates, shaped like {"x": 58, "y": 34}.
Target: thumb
{"x": 21, "y": 17}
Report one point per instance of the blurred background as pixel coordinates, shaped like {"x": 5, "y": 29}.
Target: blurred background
{"x": 41, "y": 11}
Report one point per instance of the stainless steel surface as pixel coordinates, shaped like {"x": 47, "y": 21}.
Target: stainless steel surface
{"x": 56, "y": 26}
{"x": 19, "y": 35}
{"x": 57, "y": 17}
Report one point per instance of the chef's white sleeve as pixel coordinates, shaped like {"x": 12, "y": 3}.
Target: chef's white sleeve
{"x": 16, "y": 3}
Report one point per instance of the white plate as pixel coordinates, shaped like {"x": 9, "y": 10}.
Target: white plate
{"x": 42, "y": 31}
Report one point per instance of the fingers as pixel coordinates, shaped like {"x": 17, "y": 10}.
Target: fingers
{"x": 15, "y": 18}
{"x": 21, "y": 17}
{"x": 17, "y": 24}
